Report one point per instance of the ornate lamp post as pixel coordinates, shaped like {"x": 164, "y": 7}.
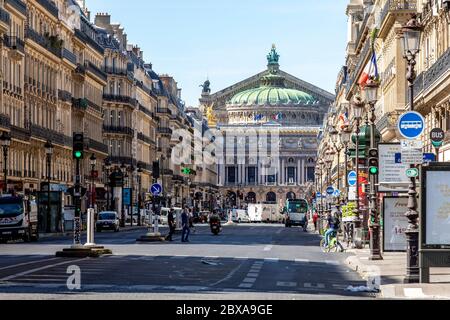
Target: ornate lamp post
{"x": 345, "y": 136}
{"x": 371, "y": 93}
{"x": 131, "y": 184}
{"x": 139, "y": 171}
{"x": 5, "y": 139}
{"x": 337, "y": 146}
{"x": 123, "y": 168}
{"x": 329, "y": 157}
{"x": 320, "y": 164}
{"x": 411, "y": 47}
{"x": 93, "y": 162}
{"x": 49, "y": 152}
{"x": 108, "y": 188}
{"x": 357, "y": 106}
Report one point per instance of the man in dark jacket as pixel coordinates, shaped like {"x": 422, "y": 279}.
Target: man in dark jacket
{"x": 171, "y": 223}
{"x": 185, "y": 226}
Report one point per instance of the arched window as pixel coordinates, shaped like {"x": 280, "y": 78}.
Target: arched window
{"x": 290, "y": 196}
{"x": 291, "y": 160}
{"x": 251, "y": 197}
{"x": 271, "y": 197}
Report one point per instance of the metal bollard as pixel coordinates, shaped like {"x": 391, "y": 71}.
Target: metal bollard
{"x": 90, "y": 227}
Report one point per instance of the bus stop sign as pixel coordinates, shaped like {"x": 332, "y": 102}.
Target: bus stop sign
{"x": 411, "y": 125}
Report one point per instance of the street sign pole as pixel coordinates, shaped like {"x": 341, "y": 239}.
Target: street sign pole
{"x": 77, "y": 203}
{"x": 437, "y": 136}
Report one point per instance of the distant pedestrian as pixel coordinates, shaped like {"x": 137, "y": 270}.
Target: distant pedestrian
{"x": 316, "y": 220}
{"x": 185, "y": 226}
{"x": 171, "y": 223}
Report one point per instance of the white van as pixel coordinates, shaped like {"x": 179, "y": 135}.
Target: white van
{"x": 255, "y": 212}
{"x": 239, "y": 216}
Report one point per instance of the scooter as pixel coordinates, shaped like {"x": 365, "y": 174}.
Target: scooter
{"x": 215, "y": 226}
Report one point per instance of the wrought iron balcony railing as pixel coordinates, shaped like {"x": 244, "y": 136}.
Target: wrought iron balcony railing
{"x": 14, "y": 43}
{"x": 70, "y": 56}
{"x": 4, "y": 16}
{"x": 50, "y": 7}
{"x": 118, "y": 129}
{"x": 19, "y": 5}
{"x": 95, "y": 70}
{"x": 121, "y": 99}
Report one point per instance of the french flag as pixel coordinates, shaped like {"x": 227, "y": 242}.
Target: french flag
{"x": 345, "y": 122}
{"x": 370, "y": 71}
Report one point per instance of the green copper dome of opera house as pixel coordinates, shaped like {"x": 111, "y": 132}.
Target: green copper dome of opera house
{"x": 271, "y": 96}
{"x": 272, "y": 91}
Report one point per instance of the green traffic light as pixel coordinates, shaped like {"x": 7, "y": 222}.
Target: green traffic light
{"x": 373, "y": 170}
{"x": 78, "y": 154}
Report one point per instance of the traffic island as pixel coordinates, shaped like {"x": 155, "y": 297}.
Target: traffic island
{"x": 83, "y": 252}
{"x": 151, "y": 237}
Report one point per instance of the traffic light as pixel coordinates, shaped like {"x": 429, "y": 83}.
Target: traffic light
{"x": 78, "y": 146}
{"x": 373, "y": 162}
{"x": 155, "y": 170}
{"x": 188, "y": 171}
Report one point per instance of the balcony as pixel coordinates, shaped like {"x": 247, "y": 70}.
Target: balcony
{"x": 80, "y": 104}
{"x": 118, "y": 129}
{"x": 69, "y": 56}
{"x": 145, "y": 138}
{"x": 387, "y": 124}
{"x": 391, "y": 9}
{"x": 145, "y": 166}
{"x": 16, "y": 46}
{"x": 146, "y": 111}
{"x": 427, "y": 79}
{"x": 20, "y": 133}
{"x": 64, "y": 96}
{"x": 50, "y": 43}
{"x": 80, "y": 73}
{"x": 96, "y": 71}
{"x": 163, "y": 111}
{"x": 120, "y": 99}
{"x": 19, "y": 5}
{"x": 164, "y": 131}
{"x": 94, "y": 106}
{"x": 5, "y": 121}
{"x": 50, "y": 7}
{"x": 115, "y": 71}
{"x": 119, "y": 160}
{"x": 98, "y": 146}
{"x": 53, "y": 136}
{"x": 5, "y": 20}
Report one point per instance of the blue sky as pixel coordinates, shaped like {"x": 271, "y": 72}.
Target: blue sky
{"x": 228, "y": 40}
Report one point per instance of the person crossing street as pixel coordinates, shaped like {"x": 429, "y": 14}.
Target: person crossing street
{"x": 185, "y": 226}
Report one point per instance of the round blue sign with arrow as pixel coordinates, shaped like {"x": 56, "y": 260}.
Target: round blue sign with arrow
{"x": 352, "y": 178}
{"x": 156, "y": 189}
{"x": 330, "y": 191}
{"x": 411, "y": 125}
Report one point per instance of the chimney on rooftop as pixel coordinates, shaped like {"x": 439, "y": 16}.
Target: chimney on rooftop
{"x": 102, "y": 20}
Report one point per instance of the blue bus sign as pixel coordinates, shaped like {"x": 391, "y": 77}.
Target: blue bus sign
{"x": 352, "y": 178}
{"x": 411, "y": 125}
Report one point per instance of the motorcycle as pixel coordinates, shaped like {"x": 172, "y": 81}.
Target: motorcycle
{"x": 214, "y": 223}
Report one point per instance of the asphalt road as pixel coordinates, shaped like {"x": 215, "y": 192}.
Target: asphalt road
{"x": 244, "y": 262}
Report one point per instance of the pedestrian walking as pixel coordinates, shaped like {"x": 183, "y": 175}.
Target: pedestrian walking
{"x": 315, "y": 220}
{"x": 171, "y": 223}
{"x": 185, "y": 226}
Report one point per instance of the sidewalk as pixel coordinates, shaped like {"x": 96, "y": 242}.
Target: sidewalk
{"x": 70, "y": 233}
{"x": 392, "y": 270}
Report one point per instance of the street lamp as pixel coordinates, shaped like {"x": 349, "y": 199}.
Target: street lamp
{"x": 371, "y": 93}
{"x": 329, "y": 156}
{"x": 139, "y": 194}
{"x": 5, "y": 139}
{"x": 411, "y": 47}
{"x": 357, "y": 106}
{"x": 93, "y": 162}
{"x": 131, "y": 185}
{"x": 345, "y": 135}
{"x": 123, "y": 168}
{"x": 108, "y": 187}
{"x": 49, "y": 152}
{"x": 337, "y": 146}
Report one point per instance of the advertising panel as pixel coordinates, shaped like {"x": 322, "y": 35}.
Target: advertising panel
{"x": 395, "y": 223}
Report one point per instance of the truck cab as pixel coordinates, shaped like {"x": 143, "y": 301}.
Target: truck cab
{"x": 296, "y": 213}
{"x": 18, "y": 219}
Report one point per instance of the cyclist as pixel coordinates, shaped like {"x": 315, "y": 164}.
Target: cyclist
{"x": 333, "y": 225}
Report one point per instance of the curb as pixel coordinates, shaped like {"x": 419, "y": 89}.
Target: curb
{"x": 68, "y": 234}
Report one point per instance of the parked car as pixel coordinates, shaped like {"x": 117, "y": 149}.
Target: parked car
{"x": 108, "y": 220}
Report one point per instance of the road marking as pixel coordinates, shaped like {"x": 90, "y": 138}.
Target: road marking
{"x": 318, "y": 286}
{"x": 26, "y": 263}
{"x": 253, "y": 275}
{"x": 20, "y": 274}
{"x": 271, "y": 259}
{"x": 241, "y": 258}
{"x": 279, "y": 231}
{"x": 333, "y": 263}
{"x": 249, "y": 280}
{"x": 268, "y": 248}
{"x": 286, "y": 284}
{"x": 246, "y": 285}
{"x": 414, "y": 293}
{"x": 302, "y": 261}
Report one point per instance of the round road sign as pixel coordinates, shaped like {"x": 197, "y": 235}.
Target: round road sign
{"x": 411, "y": 125}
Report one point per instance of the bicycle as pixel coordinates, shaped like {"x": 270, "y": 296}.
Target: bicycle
{"x": 333, "y": 246}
